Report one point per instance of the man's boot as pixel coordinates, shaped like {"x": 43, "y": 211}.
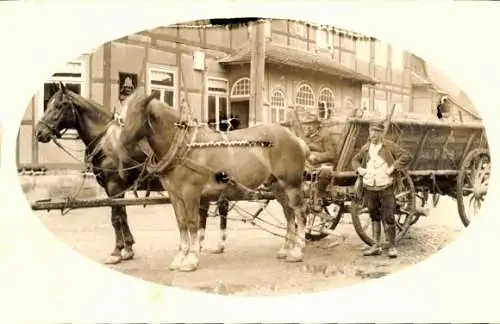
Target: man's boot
{"x": 375, "y": 249}
{"x": 392, "y": 252}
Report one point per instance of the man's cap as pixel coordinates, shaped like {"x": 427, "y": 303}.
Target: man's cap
{"x": 377, "y": 126}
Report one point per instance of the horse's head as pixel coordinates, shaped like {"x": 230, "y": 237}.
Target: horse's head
{"x": 59, "y": 115}
{"x": 136, "y": 118}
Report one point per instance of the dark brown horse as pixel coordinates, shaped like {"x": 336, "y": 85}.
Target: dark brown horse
{"x": 68, "y": 110}
{"x": 197, "y": 162}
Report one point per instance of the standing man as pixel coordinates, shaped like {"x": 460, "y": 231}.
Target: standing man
{"x": 376, "y": 163}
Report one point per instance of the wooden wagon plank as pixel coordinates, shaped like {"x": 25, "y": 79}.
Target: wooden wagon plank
{"x": 439, "y": 160}
{"x": 417, "y": 122}
{"x": 420, "y": 148}
{"x": 352, "y": 174}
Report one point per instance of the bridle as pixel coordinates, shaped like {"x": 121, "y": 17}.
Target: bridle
{"x": 56, "y": 133}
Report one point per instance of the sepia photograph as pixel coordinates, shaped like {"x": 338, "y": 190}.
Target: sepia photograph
{"x": 252, "y": 156}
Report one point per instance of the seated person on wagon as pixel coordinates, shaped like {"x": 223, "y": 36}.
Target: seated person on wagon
{"x": 323, "y": 153}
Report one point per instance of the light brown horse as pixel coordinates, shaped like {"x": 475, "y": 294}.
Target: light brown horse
{"x": 199, "y": 172}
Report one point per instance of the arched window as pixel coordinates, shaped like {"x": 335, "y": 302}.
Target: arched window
{"x": 278, "y": 107}
{"x": 326, "y": 103}
{"x": 305, "y": 98}
{"x": 241, "y": 88}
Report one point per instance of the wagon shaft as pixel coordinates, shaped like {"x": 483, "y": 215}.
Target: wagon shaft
{"x": 108, "y": 202}
{"x": 97, "y": 203}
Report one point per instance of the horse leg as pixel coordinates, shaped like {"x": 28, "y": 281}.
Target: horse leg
{"x": 191, "y": 206}
{"x": 127, "y": 252}
{"x": 204, "y": 206}
{"x": 290, "y": 233}
{"x": 223, "y": 207}
{"x": 178, "y": 260}
{"x": 116, "y": 220}
{"x": 296, "y": 202}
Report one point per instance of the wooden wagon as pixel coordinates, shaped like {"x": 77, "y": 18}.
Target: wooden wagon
{"x": 449, "y": 159}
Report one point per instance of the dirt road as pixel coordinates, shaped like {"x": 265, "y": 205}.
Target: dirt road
{"x": 249, "y": 265}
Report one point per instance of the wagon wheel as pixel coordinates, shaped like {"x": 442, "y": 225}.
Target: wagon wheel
{"x": 405, "y": 210}
{"x": 473, "y": 180}
{"x": 320, "y": 225}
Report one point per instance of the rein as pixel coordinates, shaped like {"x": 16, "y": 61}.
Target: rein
{"x": 179, "y": 137}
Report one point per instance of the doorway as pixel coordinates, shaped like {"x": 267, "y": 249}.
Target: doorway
{"x": 241, "y": 111}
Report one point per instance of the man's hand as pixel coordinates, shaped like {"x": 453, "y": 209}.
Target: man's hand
{"x": 361, "y": 171}
{"x": 312, "y": 158}
{"x": 390, "y": 170}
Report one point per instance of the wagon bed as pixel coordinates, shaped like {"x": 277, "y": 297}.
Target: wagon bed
{"x": 447, "y": 159}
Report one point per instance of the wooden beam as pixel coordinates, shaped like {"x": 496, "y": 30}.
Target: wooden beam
{"x": 257, "y": 69}
{"x": 106, "y": 93}
{"x": 35, "y": 147}
{"x": 48, "y": 204}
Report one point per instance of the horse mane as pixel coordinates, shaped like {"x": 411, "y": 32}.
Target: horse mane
{"x": 87, "y": 103}
{"x": 109, "y": 142}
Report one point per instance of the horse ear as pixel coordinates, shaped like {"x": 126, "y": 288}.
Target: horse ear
{"x": 62, "y": 87}
{"x": 153, "y": 95}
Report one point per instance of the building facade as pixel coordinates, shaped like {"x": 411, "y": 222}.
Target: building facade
{"x": 320, "y": 70}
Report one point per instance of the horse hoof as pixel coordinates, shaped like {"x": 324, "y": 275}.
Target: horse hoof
{"x": 292, "y": 259}
{"x": 127, "y": 254}
{"x": 177, "y": 262}
{"x": 190, "y": 263}
{"x": 282, "y": 254}
{"x": 188, "y": 268}
{"x": 113, "y": 259}
{"x": 218, "y": 250}
{"x": 295, "y": 255}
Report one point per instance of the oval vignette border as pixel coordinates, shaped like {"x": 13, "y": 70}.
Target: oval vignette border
{"x": 427, "y": 309}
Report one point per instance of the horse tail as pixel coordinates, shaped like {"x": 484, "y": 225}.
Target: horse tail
{"x": 303, "y": 145}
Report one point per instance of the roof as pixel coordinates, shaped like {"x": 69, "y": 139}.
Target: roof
{"x": 281, "y": 54}
{"x": 456, "y": 95}
{"x": 439, "y": 82}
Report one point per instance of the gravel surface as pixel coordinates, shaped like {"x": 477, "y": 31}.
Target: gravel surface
{"x": 249, "y": 265}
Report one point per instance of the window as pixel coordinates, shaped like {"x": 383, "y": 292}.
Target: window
{"x": 218, "y": 108}
{"x": 73, "y": 76}
{"x": 299, "y": 28}
{"x": 241, "y": 89}
{"x": 347, "y": 42}
{"x": 278, "y": 107}
{"x": 305, "y": 98}
{"x": 323, "y": 38}
{"x": 326, "y": 103}
{"x": 365, "y": 104}
{"x": 381, "y": 54}
{"x": 363, "y": 50}
{"x": 163, "y": 81}
{"x": 381, "y": 107}
{"x": 407, "y": 103}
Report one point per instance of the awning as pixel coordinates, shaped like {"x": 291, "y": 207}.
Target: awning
{"x": 284, "y": 55}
